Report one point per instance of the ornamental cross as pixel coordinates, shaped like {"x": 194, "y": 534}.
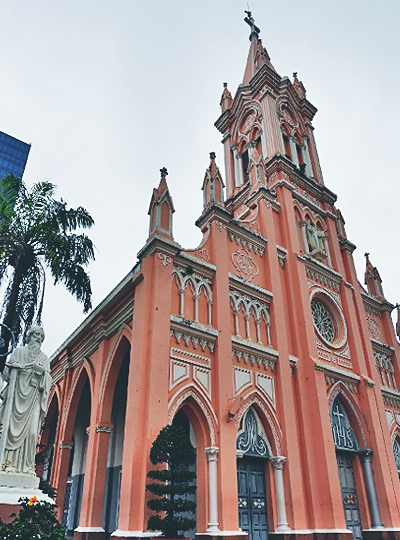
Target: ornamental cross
{"x": 163, "y": 171}
{"x": 250, "y": 21}
{"x": 338, "y": 414}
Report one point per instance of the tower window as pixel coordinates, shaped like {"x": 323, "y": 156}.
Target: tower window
{"x": 245, "y": 161}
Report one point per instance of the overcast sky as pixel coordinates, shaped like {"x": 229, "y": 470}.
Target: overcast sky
{"x": 109, "y": 91}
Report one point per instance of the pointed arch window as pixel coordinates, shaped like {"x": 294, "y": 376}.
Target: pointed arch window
{"x": 245, "y": 163}
{"x": 396, "y": 452}
{"x": 250, "y": 441}
{"x": 344, "y": 436}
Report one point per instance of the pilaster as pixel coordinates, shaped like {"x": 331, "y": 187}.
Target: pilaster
{"x": 147, "y": 398}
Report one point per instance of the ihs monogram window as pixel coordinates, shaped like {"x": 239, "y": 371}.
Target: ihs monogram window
{"x": 323, "y": 320}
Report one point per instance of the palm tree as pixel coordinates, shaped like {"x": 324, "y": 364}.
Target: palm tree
{"x": 37, "y": 233}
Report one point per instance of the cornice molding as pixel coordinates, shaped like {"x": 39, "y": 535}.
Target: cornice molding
{"x": 380, "y": 346}
{"x": 324, "y": 275}
{"x": 346, "y": 245}
{"x": 212, "y": 213}
{"x": 262, "y": 193}
{"x": 246, "y": 237}
{"x": 247, "y": 288}
{"x": 159, "y": 243}
{"x": 200, "y": 266}
{"x": 279, "y": 163}
{"x": 255, "y": 353}
{"x": 390, "y": 397}
{"x": 375, "y": 306}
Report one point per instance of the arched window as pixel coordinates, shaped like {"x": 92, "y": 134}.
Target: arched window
{"x": 396, "y": 451}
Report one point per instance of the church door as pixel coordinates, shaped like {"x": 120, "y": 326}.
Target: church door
{"x": 252, "y": 499}
{"x": 349, "y": 494}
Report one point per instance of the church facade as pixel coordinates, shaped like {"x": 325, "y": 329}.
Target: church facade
{"x": 260, "y": 342}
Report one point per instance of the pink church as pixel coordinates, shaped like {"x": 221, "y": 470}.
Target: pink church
{"x": 261, "y": 343}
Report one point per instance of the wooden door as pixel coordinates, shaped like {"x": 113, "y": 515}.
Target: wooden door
{"x": 252, "y": 497}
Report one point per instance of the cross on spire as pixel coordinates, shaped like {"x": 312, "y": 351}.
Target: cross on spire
{"x": 163, "y": 171}
{"x": 250, "y": 21}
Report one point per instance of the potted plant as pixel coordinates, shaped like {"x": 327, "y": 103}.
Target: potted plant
{"x": 173, "y": 484}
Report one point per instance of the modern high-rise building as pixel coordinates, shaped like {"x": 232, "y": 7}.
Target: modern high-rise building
{"x": 261, "y": 342}
{"x": 13, "y": 155}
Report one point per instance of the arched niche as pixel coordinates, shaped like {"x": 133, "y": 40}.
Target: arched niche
{"x": 116, "y": 442}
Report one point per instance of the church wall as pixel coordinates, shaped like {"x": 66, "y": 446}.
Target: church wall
{"x": 235, "y": 326}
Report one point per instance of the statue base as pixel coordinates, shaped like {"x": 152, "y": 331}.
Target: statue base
{"x": 18, "y": 480}
{"x": 9, "y": 497}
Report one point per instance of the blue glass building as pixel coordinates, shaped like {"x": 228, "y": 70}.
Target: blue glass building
{"x": 13, "y": 155}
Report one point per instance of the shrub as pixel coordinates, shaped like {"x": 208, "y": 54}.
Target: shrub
{"x": 36, "y": 520}
{"x": 172, "y": 447}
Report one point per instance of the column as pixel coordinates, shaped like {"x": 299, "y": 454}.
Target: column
{"x": 293, "y": 150}
{"x": 366, "y": 457}
{"x": 212, "y": 454}
{"x": 278, "y": 463}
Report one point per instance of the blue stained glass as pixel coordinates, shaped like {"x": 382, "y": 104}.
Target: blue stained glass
{"x": 343, "y": 434}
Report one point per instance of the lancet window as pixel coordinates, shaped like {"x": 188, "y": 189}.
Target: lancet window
{"x": 343, "y": 434}
{"x": 386, "y": 370}
{"x": 201, "y": 294}
{"x": 251, "y": 441}
{"x": 255, "y": 316}
{"x": 396, "y": 451}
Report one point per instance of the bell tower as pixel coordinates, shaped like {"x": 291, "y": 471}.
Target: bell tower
{"x": 266, "y": 123}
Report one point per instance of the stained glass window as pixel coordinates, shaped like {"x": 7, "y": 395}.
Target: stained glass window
{"x": 250, "y": 441}
{"x": 396, "y": 451}
{"x": 323, "y": 320}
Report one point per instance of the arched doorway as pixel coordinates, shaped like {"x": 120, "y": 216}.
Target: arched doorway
{"x": 183, "y": 421}
{"x": 253, "y": 453}
{"x": 76, "y": 469}
{"x": 347, "y": 447}
{"x": 115, "y": 448}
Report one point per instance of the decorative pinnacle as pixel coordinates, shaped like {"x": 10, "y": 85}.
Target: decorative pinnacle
{"x": 295, "y": 74}
{"x": 366, "y": 255}
{"x": 212, "y": 155}
{"x": 225, "y": 84}
{"x": 164, "y": 172}
{"x": 250, "y": 21}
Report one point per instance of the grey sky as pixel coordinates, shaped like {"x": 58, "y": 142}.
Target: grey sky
{"x": 110, "y": 92}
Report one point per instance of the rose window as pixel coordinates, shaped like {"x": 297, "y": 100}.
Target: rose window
{"x": 323, "y": 320}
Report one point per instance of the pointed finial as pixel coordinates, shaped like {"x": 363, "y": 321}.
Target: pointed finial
{"x": 163, "y": 172}
{"x": 250, "y": 21}
{"x": 212, "y": 155}
{"x": 366, "y": 255}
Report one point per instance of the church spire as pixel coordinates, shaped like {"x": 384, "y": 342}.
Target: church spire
{"x": 372, "y": 279}
{"x": 161, "y": 208}
{"x": 258, "y": 55}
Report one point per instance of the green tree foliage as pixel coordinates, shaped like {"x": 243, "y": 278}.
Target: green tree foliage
{"x": 37, "y": 232}
{"x": 36, "y": 520}
{"x": 173, "y": 448}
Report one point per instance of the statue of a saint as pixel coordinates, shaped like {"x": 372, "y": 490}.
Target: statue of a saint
{"x": 24, "y": 402}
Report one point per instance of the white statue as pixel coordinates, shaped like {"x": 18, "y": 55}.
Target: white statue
{"x": 24, "y": 402}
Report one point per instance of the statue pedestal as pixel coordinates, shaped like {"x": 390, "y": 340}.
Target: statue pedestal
{"x": 14, "y": 486}
{"x": 18, "y": 480}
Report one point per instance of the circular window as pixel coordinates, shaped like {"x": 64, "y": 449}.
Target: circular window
{"x": 328, "y": 319}
{"x": 323, "y": 320}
